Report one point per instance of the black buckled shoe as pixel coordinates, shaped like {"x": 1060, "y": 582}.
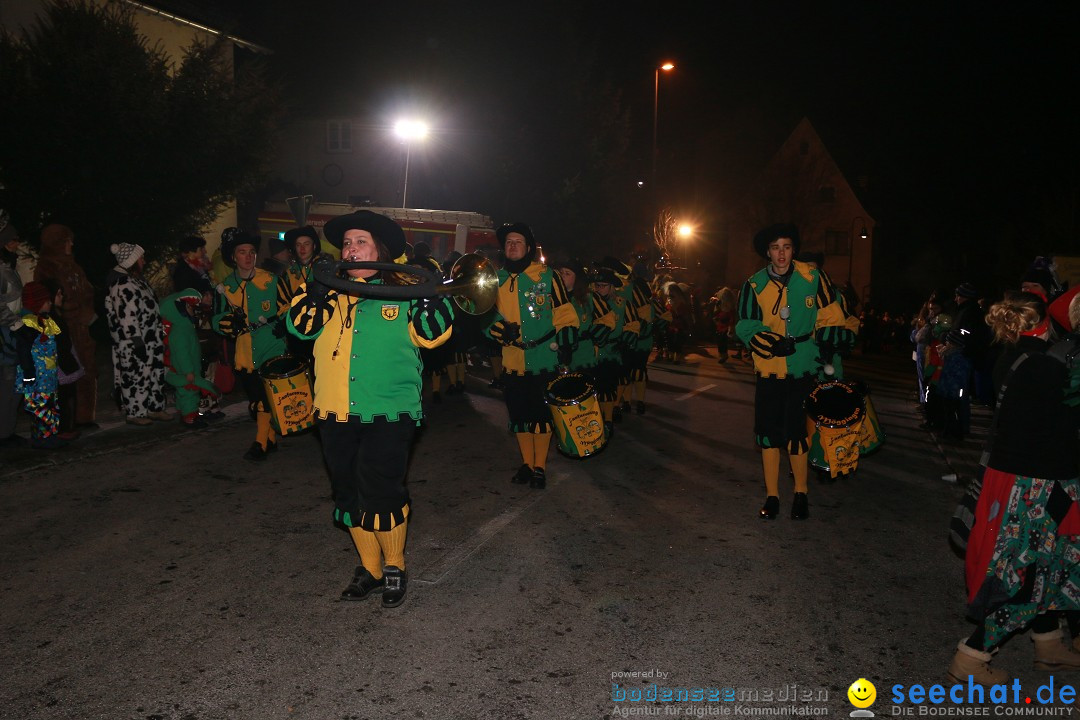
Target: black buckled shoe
{"x": 523, "y": 475}
{"x": 800, "y": 507}
{"x": 626, "y": 406}
{"x": 539, "y": 479}
{"x": 640, "y": 407}
{"x": 394, "y": 581}
{"x": 271, "y": 447}
{"x": 362, "y": 585}
{"x": 771, "y": 508}
{"x": 255, "y": 453}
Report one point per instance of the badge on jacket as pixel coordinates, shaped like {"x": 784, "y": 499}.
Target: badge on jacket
{"x": 390, "y": 312}
{"x": 809, "y": 302}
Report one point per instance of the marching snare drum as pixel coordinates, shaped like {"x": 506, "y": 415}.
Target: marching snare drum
{"x": 575, "y": 411}
{"x": 287, "y": 380}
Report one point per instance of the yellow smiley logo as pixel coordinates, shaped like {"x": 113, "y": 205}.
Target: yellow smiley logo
{"x": 862, "y": 693}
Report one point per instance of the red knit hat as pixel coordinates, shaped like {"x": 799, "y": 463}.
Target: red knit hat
{"x": 34, "y": 296}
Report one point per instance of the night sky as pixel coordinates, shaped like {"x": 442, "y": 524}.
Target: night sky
{"x": 955, "y": 119}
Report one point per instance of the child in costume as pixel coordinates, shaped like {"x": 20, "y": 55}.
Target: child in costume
{"x": 183, "y": 356}
{"x": 36, "y": 376}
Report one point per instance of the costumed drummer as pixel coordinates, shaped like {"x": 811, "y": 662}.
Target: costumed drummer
{"x": 537, "y": 327}
{"x": 367, "y": 395}
{"x": 248, "y": 306}
{"x": 781, "y": 309}
{"x": 303, "y": 243}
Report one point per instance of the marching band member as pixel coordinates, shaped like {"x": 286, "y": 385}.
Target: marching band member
{"x": 248, "y": 306}
{"x": 626, "y": 294}
{"x": 537, "y": 327}
{"x": 596, "y": 320}
{"x": 609, "y": 365}
{"x": 781, "y": 308}
{"x": 367, "y": 395}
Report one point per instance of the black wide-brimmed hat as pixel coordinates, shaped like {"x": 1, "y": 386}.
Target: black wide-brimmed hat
{"x": 232, "y": 238}
{"x": 614, "y": 264}
{"x": 771, "y": 234}
{"x": 606, "y": 275}
{"x": 518, "y": 227}
{"x": 291, "y": 236}
{"x": 382, "y": 228}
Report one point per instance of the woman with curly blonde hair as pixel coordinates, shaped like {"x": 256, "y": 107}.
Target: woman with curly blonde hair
{"x": 1021, "y": 564}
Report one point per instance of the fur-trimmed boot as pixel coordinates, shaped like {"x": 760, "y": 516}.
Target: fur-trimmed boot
{"x": 1051, "y": 653}
{"x": 969, "y": 661}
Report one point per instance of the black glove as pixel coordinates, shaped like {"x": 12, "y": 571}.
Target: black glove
{"x": 566, "y": 354}
{"x": 826, "y": 351}
{"x": 233, "y": 323}
{"x": 433, "y": 317}
{"x": 762, "y": 343}
{"x": 505, "y": 332}
{"x": 600, "y": 334}
{"x": 315, "y": 290}
{"x": 279, "y": 329}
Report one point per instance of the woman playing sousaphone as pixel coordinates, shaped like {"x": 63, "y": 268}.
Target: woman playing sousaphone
{"x": 367, "y": 394}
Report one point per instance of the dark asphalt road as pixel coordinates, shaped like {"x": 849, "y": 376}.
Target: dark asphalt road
{"x": 153, "y": 574}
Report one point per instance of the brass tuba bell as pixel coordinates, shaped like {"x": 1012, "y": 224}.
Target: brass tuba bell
{"x": 473, "y": 283}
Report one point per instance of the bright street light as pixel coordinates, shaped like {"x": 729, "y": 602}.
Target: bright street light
{"x": 409, "y": 130}
{"x": 666, "y": 67}
{"x": 686, "y": 231}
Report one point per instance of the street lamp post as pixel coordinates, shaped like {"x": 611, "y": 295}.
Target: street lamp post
{"x": 409, "y": 130}
{"x": 666, "y": 67}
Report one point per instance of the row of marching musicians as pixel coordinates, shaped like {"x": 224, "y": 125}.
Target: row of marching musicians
{"x": 368, "y": 369}
{"x": 597, "y": 325}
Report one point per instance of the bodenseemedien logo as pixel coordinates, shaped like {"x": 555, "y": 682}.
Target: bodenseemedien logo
{"x": 862, "y": 695}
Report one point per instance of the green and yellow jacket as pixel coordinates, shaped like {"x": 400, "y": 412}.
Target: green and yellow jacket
{"x": 536, "y": 301}
{"x": 367, "y": 357}
{"x": 625, "y": 331}
{"x": 596, "y": 320}
{"x": 264, "y": 299}
{"x": 813, "y": 305}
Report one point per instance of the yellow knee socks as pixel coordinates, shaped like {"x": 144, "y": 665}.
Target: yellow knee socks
{"x": 770, "y": 463}
{"x": 393, "y": 544}
{"x": 367, "y": 546}
{"x": 799, "y": 470}
{"x": 525, "y": 445}
{"x": 541, "y": 442}
{"x": 263, "y": 432}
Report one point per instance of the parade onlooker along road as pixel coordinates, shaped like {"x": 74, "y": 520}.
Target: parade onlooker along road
{"x": 153, "y": 573}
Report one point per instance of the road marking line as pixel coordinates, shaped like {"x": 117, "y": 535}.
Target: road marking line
{"x": 700, "y": 390}
{"x": 441, "y": 567}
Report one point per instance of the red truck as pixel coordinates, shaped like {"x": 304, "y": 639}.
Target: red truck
{"x": 443, "y": 230}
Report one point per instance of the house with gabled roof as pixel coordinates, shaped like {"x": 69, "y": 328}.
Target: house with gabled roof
{"x": 802, "y": 184}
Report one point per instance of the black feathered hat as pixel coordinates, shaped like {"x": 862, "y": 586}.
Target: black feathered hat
{"x": 382, "y": 228}
{"x": 291, "y": 236}
{"x": 518, "y": 227}
{"x": 615, "y": 265}
{"x": 771, "y": 234}
{"x": 232, "y": 238}
{"x": 573, "y": 265}
{"x": 606, "y": 275}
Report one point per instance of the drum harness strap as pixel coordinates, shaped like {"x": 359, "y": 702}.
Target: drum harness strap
{"x": 784, "y": 312}
{"x": 530, "y": 344}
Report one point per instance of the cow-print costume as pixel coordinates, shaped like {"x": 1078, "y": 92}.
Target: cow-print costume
{"x": 138, "y": 343}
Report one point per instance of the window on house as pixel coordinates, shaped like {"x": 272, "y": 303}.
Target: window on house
{"x": 837, "y": 242}
{"x": 338, "y": 136}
